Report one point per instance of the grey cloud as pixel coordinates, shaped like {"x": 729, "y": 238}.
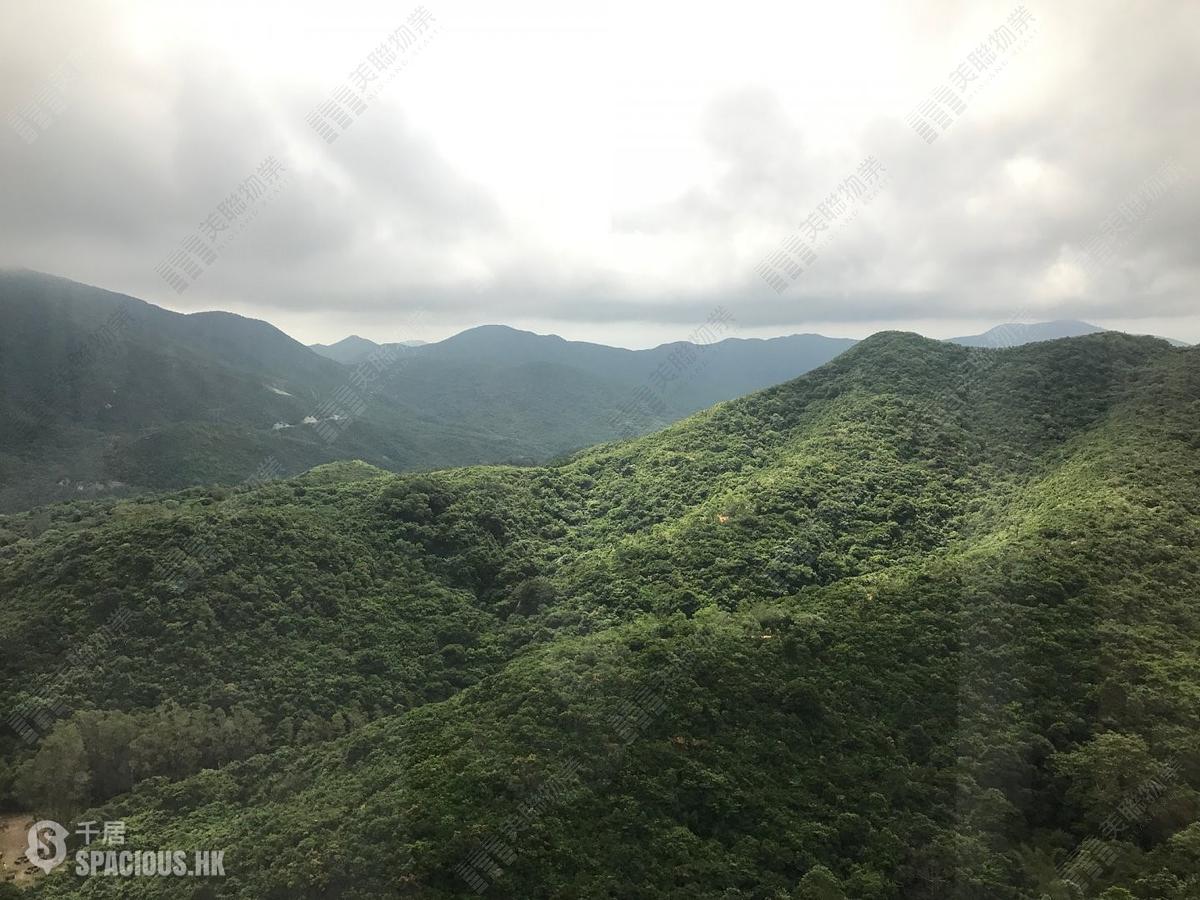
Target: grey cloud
{"x": 379, "y": 223}
{"x": 1100, "y": 134}
{"x": 767, "y": 169}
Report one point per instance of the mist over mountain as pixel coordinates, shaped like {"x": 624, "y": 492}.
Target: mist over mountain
{"x": 348, "y": 350}
{"x": 1014, "y": 334}
{"x": 104, "y": 393}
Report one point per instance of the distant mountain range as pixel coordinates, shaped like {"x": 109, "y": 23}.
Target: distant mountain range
{"x": 1014, "y": 334}
{"x": 104, "y": 393}
{"x": 354, "y": 349}
{"x": 729, "y": 368}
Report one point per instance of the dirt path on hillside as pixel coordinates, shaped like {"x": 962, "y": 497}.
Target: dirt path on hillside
{"x": 14, "y": 839}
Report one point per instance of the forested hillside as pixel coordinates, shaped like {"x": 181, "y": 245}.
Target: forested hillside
{"x": 103, "y": 394}
{"x": 921, "y": 623}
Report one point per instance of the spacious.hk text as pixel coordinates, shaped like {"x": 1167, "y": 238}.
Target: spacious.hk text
{"x": 137, "y": 863}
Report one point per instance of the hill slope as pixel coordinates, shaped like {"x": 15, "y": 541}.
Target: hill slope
{"x": 913, "y": 625}
{"x": 102, "y": 393}
{"x": 92, "y": 383}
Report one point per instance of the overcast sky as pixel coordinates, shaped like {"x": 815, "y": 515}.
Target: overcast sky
{"x": 609, "y": 171}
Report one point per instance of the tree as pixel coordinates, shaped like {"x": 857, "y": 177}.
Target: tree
{"x": 819, "y": 883}
{"x": 57, "y": 781}
{"x": 1106, "y": 771}
{"x": 531, "y": 595}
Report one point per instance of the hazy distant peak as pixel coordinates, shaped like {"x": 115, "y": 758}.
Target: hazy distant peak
{"x": 495, "y": 330}
{"x": 1013, "y": 334}
{"x": 346, "y": 343}
{"x": 348, "y": 350}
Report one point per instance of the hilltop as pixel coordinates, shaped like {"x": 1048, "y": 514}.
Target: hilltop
{"x": 102, "y": 394}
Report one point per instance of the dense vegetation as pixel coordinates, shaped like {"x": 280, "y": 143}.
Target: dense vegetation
{"x": 918, "y": 624}
{"x": 103, "y": 394}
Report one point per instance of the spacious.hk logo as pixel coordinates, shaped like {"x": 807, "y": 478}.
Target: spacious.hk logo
{"x": 48, "y": 849}
{"x": 47, "y": 836}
